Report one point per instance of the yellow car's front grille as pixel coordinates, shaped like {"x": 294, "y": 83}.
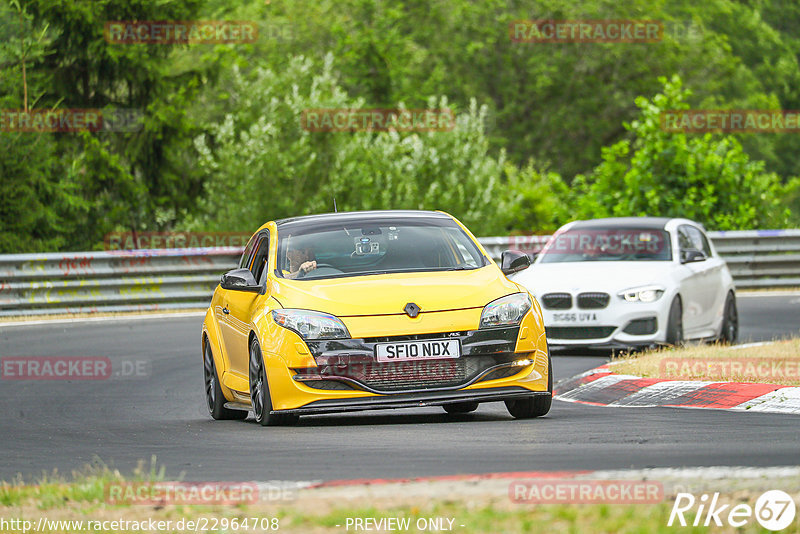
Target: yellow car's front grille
{"x": 409, "y": 375}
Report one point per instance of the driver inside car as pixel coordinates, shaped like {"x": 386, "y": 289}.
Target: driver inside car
{"x": 301, "y": 262}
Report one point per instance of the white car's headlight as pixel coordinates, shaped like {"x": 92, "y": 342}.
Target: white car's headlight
{"x": 506, "y": 311}
{"x": 311, "y": 324}
{"x": 642, "y": 294}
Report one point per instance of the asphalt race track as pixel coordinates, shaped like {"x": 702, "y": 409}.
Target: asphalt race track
{"x": 64, "y": 425}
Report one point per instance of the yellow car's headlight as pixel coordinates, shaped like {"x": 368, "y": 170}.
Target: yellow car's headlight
{"x": 311, "y": 324}
{"x": 506, "y": 311}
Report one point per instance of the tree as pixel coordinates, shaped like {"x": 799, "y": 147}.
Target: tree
{"x": 260, "y": 163}
{"x": 708, "y": 178}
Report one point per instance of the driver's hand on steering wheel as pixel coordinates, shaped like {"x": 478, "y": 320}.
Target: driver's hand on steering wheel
{"x": 308, "y": 266}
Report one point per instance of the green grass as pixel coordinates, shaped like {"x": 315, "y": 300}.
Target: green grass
{"x": 84, "y": 500}
{"x": 83, "y": 497}
{"x": 86, "y": 486}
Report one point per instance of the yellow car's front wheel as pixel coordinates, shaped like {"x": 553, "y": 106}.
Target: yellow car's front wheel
{"x": 460, "y": 407}
{"x": 259, "y": 391}
{"x": 533, "y": 406}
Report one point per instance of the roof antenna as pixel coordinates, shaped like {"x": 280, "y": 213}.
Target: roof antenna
{"x": 334, "y": 206}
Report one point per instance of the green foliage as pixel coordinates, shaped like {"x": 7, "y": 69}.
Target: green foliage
{"x": 221, "y": 147}
{"x": 34, "y": 202}
{"x": 539, "y": 199}
{"x": 261, "y": 164}
{"x": 558, "y": 104}
{"x": 708, "y": 178}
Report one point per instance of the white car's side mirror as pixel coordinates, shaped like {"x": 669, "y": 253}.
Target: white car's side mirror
{"x": 691, "y": 255}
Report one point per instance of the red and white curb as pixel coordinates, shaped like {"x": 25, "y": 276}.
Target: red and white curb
{"x": 602, "y": 387}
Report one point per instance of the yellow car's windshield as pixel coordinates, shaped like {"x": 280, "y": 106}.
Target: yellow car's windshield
{"x": 374, "y": 246}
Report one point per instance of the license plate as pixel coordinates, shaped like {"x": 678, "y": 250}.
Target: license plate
{"x": 430, "y": 349}
{"x": 580, "y": 317}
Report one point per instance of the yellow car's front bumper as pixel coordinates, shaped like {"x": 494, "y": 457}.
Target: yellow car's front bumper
{"x": 342, "y": 375}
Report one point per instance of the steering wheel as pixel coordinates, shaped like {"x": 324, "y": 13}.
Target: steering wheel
{"x": 302, "y": 273}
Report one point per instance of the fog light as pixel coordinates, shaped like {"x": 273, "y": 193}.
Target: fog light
{"x": 642, "y": 327}
{"x": 522, "y": 363}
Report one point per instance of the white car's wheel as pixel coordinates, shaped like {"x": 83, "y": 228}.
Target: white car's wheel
{"x": 675, "y": 323}
{"x": 730, "y": 321}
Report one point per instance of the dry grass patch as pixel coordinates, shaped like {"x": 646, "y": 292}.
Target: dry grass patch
{"x": 771, "y": 363}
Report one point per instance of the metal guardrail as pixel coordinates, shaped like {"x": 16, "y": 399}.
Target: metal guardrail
{"x": 151, "y": 280}
{"x": 761, "y": 258}
{"x": 756, "y": 258}
{"x": 130, "y": 280}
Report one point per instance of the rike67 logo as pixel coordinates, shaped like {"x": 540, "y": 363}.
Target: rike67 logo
{"x": 774, "y": 510}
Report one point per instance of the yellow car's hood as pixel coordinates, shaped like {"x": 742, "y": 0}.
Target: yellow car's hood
{"x": 387, "y": 294}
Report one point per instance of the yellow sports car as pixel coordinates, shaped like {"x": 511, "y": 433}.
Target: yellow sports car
{"x": 371, "y": 310}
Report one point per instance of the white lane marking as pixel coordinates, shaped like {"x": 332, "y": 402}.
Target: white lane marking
{"x": 660, "y": 393}
{"x": 595, "y": 385}
{"x": 705, "y": 473}
{"x": 750, "y": 345}
{"x": 137, "y": 317}
{"x": 665, "y": 474}
{"x": 596, "y": 370}
{"x": 784, "y": 400}
{"x": 759, "y": 294}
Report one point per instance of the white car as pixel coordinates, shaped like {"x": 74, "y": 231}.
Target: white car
{"x": 632, "y": 282}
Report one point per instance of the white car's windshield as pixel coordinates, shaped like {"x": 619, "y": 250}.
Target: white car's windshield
{"x": 608, "y": 244}
{"x": 377, "y": 246}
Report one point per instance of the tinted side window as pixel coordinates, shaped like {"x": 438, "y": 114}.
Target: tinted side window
{"x": 698, "y": 240}
{"x": 244, "y": 263}
{"x": 684, "y": 239}
{"x": 706, "y": 247}
{"x": 260, "y": 257}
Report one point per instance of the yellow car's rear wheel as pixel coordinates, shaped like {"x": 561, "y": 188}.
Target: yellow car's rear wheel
{"x": 215, "y": 400}
{"x": 259, "y": 391}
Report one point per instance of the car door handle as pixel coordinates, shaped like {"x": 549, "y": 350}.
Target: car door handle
{"x": 225, "y": 310}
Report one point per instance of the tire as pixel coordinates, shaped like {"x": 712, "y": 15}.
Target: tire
{"x": 215, "y": 400}
{"x": 461, "y": 407}
{"x": 730, "y": 321}
{"x": 675, "y": 323}
{"x": 537, "y": 406}
{"x": 259, "y": 391}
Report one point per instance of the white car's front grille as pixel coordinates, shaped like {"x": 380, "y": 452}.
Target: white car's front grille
{"x": 593, "y": 301}
{"x": 557, "y": 301}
